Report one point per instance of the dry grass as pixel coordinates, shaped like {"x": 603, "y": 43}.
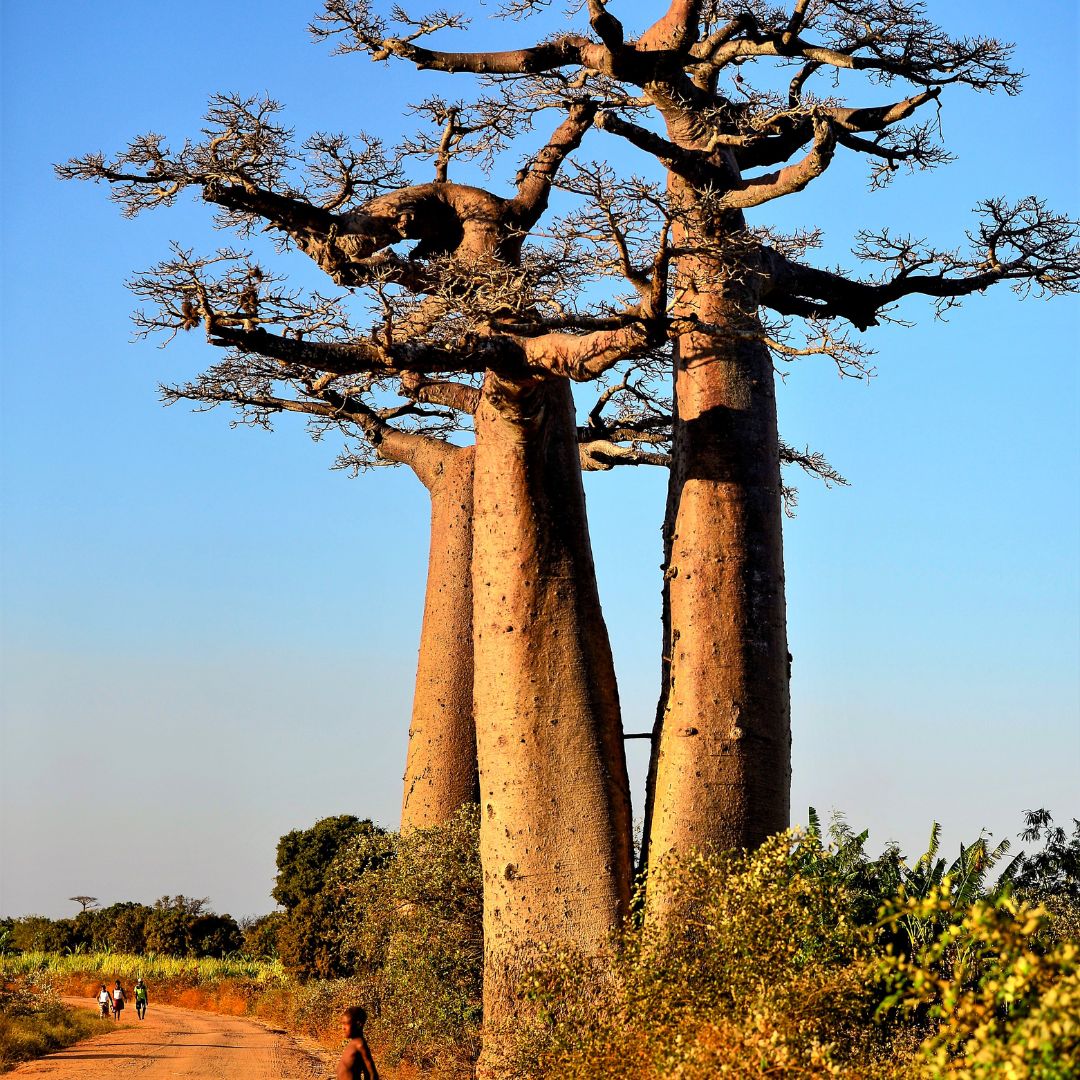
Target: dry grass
{"x": 34, "y": 1023}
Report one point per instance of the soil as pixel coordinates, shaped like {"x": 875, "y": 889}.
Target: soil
{"x": 176, "y": 1043}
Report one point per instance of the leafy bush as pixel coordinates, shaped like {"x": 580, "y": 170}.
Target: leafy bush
{"x": 766, "y": 970}
{"x": 261, "y": 936}
{"x": 305, "y": 855}
{"x": 794, "y": 960}
{"x": 34, "y": 1022}
{"x": 1003, "y": 1004}
{"x": 182, "y": 926}
{"x": 308, "y": 938}
{"x": 36, "y": 933}
{"x": 412, "y": 927}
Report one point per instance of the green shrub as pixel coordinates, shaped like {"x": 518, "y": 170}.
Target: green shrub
{"x": 261, "y": 936}
{"x": 1003, "y": 1002}
{"x": 308, "y": 939}
{"x": 412, "y": 928}
{"x": 34, "y": 1022}
{"x": 765, "y": 973}
{"x": 36, "y": 933}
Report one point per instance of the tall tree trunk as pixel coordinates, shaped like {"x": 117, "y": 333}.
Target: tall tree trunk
{"x": 555, "y": 834}
{"x": 440, "y": 769}
{"x": 722, "y": 759}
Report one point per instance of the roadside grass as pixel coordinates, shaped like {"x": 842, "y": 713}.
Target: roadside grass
{"x": 34, "y": 1023}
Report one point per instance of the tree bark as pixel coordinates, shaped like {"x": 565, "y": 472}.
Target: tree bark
{"x": 555, "y": 834}
{"x": 721, "y": 766}
{"x": 440, "y": 767}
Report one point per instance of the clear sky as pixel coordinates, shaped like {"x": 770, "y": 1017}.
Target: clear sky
{"x": 209, "y": 638}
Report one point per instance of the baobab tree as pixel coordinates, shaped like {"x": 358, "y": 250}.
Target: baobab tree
{"x": 469, "y": 301}
{"x": 440, "y": 768}
{"x": 627, "y": 425}
{"x": 681, "y": 92}
{"x": 473, "y": 302}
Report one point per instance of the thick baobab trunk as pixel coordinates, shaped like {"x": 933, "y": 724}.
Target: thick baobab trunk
{"x": 440, "y": 769}
{"x": 555, "y": 834}
{"x": 722, "y": 754}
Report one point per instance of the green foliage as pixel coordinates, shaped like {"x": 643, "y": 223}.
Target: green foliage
{"x": 309, "y": 938}
{"x": 36, "y": 933}
{"x": 305, "y": 855}
{"x": 121, "y": 927}
{"x": 34, "y": 1022}
{"x": 175, "y": 925}
{"x": 412, "y": 926}
{"x": 1050, "y": 876}
{"x": 793, "y": 960}
{"x": 765, "y": 967}
{"x": 1000, "y": 1002}
{"x": 125, "y": 928}
{"x": 867, "y": 883}
{"x": 181, "y": 926}
{"x": 261, "y": 936}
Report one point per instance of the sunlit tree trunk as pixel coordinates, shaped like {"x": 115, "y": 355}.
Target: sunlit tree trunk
{"x": 555, "y": 834}
{"x": 440, "y": 769}
{"x": 721, "y": 770}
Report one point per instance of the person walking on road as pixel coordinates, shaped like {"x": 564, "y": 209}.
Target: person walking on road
{"x": 104, "y": 1002}
{"x": 117, "y": 1000}
{"x": 356, "y": 1061}
{"x": 140, "y": 998}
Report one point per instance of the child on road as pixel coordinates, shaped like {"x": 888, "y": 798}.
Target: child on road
{"x": 356, "y": 1062}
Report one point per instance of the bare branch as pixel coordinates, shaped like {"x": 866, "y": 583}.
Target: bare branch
{"x": 691, "y": 164}
{"x": 676, "y": 30}
{"x": 1023, "y": 243}
{"x": 607, "y": 28}
{"x": 534, "y": 186}
{"x": 792, "y": 178}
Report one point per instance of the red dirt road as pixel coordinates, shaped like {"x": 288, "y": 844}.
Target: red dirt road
{"x": 178, "y": 1044}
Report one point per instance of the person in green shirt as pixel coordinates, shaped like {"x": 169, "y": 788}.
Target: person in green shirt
{"x": 140, "y": 999}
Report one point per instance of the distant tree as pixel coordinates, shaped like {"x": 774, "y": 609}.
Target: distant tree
{"x": 36, "y": 933}
{"x": 86, "y": 901}
{"x": 215, "y": 935}
{"x": 261, "y": 935}
{"x": 120, "y": 927}
{"x": 1055, "y": 870}
{"x": 125, "y": 929}
{"x": 169, "y": 925}
{"x": 305, "y": 855}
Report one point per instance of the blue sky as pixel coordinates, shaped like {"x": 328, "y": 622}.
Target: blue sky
{"x": 208, "y": 638}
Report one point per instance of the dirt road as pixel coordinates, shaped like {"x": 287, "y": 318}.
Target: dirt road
{"x": 177, "y": 1044}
